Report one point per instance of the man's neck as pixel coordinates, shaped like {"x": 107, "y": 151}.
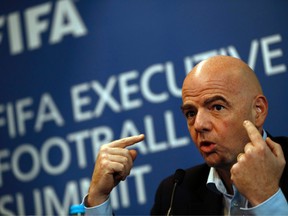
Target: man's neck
{"x": 225, "y": 175}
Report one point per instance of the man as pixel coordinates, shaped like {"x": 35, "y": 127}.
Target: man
{"x": 245, "y": 170}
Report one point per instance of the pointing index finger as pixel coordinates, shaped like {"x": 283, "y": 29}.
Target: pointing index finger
{"x": 253, "y": 132}
{"x": 127, "y": 141}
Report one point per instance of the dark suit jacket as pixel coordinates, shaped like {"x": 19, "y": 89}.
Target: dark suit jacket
{"x": 192, "y": 197}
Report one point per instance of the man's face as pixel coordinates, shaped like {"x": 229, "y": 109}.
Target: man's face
{"x": 215, "y": 107}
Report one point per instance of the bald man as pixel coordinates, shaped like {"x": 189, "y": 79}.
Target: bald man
{"x": 245, "y": 171}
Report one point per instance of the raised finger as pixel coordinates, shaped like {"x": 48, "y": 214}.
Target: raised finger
{"x": 127, "y": 141}
{"x": 253, "y": 133}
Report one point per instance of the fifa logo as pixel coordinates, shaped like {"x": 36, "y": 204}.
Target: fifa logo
{"x": 26, "y": 30}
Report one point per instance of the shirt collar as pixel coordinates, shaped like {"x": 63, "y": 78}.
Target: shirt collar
{"x": 215, "y": 183}
{"x": 264, "y": 135}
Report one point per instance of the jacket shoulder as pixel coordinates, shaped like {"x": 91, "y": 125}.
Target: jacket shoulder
{"x": 191, "y": 196}
{"x": 283, "y": 141}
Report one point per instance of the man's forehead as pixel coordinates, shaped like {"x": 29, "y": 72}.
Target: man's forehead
{"x": 211, "y": 85}
{"x": 204, "y": 101}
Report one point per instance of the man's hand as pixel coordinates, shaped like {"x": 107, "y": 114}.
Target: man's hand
{"x": 113, "y": 164}
{"x": 258, "y": 170}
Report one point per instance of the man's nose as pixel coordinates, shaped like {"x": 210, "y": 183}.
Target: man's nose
{"x": 202, "y": 121}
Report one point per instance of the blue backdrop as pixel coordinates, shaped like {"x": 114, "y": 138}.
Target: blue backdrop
{"x": 77, "y": 74}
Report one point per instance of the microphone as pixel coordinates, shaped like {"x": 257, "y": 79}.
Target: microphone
{"x": 178, "y": 179}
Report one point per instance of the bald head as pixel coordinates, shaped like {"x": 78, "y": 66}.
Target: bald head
{"x": 232, "y": 73}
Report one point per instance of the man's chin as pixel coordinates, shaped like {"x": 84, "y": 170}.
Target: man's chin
{"x": 212, "y": 163}
{"x": 213, "y": 160}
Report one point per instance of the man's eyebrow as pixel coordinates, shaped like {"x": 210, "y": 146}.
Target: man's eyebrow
{"x": 206, "y": 102}
{"x": 216, "y": 98}
{"x": 186, "y": 106}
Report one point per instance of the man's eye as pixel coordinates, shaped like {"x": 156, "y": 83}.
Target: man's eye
{"x": 189, "y": 114}
{"x": 218, "y": 107}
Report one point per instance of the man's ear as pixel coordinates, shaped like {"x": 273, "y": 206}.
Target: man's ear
{"x": 261, "y": 110}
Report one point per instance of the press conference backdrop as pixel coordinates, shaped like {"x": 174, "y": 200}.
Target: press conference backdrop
{"x": 78, "y": 74}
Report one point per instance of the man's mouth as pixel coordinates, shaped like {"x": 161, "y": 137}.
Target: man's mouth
{"x": 207, "y": 146}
